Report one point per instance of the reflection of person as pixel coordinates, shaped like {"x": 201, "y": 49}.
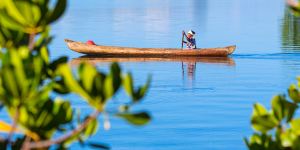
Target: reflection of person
{"x": 190, "y": 68}
{"x": 191, "y": 41}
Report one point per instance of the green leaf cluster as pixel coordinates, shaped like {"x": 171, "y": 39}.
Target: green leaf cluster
{"x": 277, "y": 128}
{"x": 30, "y": 16}
{"x": 31, "y": 85}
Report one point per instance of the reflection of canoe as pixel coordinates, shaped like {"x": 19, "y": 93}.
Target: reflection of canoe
{"x": 104, "y": 59}
{"x": 157, "y": 52}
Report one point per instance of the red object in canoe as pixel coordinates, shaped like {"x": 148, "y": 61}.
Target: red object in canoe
{"x": 90, "y": 42}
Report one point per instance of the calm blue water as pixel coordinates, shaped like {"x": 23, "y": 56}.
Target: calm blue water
{"x": 211, "y": 107}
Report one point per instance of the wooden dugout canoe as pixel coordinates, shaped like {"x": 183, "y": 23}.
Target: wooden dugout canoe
{"x": 149, "y": 52}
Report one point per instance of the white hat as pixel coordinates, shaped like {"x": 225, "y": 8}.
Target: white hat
{"x": 191, "y": 32}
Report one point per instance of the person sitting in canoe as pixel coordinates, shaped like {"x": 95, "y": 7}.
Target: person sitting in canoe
{"x": 191, "y": 41}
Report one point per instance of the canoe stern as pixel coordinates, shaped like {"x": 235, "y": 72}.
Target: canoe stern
{"x": 231, "y": 49}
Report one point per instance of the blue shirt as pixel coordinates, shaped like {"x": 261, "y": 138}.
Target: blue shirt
{"x": 191, "y": 43}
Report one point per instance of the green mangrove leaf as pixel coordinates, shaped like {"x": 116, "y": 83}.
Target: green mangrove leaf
{"x": 58, "y": 11}
{"x": 257, "y": 138}
{"x": 44, "y": 39}
{"x": 115, "y": 72}
{"x": 287, "y": 138}
{"x": 14, "y": 11}
{"x": 61, "y": 87}
{"x": 98, "y": 86}
{"x": 9, "y": 22}
{"x": 24, "y": 52}
{"x": 44, "y": 54}
{"x": 262, "y": 142}
{"x": 2, "y": 5}
{"x": 63, "y": 111}
{"x": 26, "y": 9}
{"x": 38, "y": 64}
{"x": 128, "y": 84}
{"x": 259, "y": 110}
{"x": 39, "y": 96}
{"x": 36, "y": 12}
{"x": 296, "y": 143}
{"x": 71, "y": 82}
{"x": 140, "y": 118}
{"x": 262, "y": 120}
{"x": 282, "y": 108}
{"x": 263, "y": 123}
{"x": 98, "y": 145}
{"x": 295, "y": 126}
{"x": 2, "y": 40}
{"x": 45, "y": 117}
{"x": 87, "y": 74}
{"x": 91, "y": 129}
{"x": 19, "y": 70}
{"x": 112, "y": 81}
{"x": 294, "y": 93}
{"x": 136, "y": 95}
{"x": 56, "y": 63}
{"x": 12, "y": 39}
{"x": 10, "y": 84}
{"x": 109, "y": 90}
{"x": 142, "y": 91}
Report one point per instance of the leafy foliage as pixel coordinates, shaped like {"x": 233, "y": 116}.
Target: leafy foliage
{"x": 31, "y": 84}
{"x": 30, "y": 16}
{"x": 277, "y": 128}
{"x": 139, "y": 118}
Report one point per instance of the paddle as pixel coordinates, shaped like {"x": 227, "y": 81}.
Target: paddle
{"x": 182, "y": 39}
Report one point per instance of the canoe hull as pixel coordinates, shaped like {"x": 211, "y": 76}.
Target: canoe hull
{"x": 149, "y": 52}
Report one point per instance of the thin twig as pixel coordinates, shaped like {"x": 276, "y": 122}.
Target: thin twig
{"x": 26, "y": 143}
{"x": 31, "y": 41}
{"x": 48, "y": 143}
